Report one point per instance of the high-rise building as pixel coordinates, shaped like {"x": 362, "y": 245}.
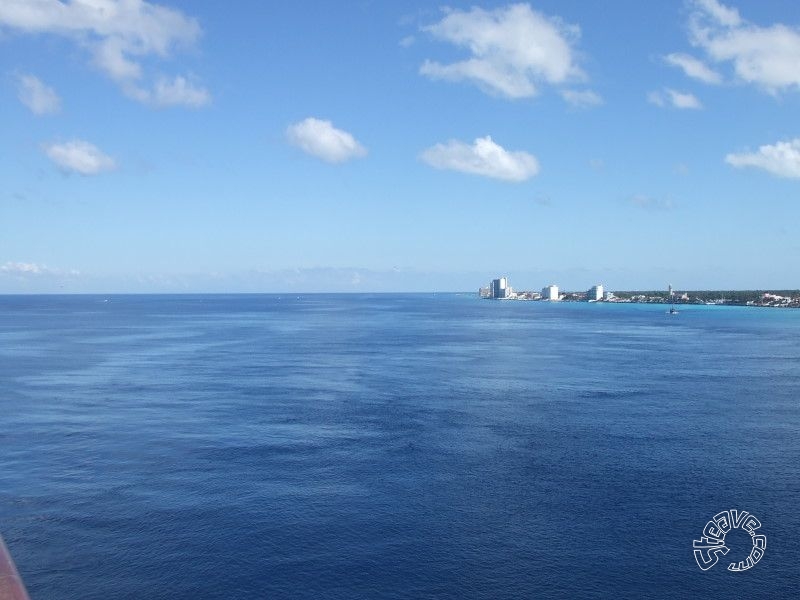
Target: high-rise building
{"x": 550, "y": 292}
{"x": 500, "y": 288}
{"x": 595, "y": 293}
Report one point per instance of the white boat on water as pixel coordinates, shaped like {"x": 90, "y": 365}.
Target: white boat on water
{"x": 672, "y": 309}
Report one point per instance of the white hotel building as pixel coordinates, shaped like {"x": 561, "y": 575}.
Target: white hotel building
{"x": 550, "y": 293}
{"x": 595, "y": 293}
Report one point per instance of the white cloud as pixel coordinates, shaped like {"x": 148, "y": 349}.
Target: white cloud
{"x": 693, "y": 67}
{"x": 38, "y": 97}
{"x": 321, "y": 139}
{"x": 729, "y": 17}
{"x": 767, "y": 57}
{"x": 22, "y": 269}
{"x": 582, "y": 99}
{"x": 683, "y": 100}
{"x": 407, "y": 41}
{"x": 80, "y": 157}
{"x": 179, "y": 91}
{"x": 781, "y": 159}
{"x": 483, "y": 157}
{"x": 119, "y": 34}
{"x": 512, "y": 50}
{"x": 674, "y": 99}
{"x": 170, "y": 92}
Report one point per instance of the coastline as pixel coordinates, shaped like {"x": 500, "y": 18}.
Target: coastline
{"x": 747, "y": 298}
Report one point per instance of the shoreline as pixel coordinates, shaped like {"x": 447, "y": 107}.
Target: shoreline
{"x": 746, "y": 298}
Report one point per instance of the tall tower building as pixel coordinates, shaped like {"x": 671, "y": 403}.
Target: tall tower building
{"x": 500, "y": 288}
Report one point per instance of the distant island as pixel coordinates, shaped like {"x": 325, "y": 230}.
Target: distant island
{"x": 499, "y": 289}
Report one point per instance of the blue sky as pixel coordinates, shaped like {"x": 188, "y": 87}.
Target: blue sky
{"x": 177, "y": 146}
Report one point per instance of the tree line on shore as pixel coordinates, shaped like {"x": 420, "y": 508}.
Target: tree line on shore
{"x": 743, "y": 297}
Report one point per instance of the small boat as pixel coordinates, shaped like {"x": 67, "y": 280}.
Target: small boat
{"x": 672, "y": 309}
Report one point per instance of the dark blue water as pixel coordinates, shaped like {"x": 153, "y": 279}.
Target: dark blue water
{"x": 408, "y": 446}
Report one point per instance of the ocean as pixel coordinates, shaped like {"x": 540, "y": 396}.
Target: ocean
{"x": 394, "y": 446}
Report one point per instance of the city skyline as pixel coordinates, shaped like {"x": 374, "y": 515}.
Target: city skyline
{"x": 174, "y": 146}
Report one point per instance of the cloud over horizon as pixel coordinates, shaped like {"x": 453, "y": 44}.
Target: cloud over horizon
{"x": 22, "y": 269}
{"x": 119, "y": 36}
{"x": 781, "y": 159}
{"x": 320, "y": 138}
{"x": 79, "y": 156}
{"x": 39, "y": 98}
{"x": 512, "y": 50}
{"x": 483, "y": 157}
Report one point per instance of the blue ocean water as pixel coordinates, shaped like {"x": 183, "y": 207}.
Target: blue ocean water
{"x": 393, "y": 446}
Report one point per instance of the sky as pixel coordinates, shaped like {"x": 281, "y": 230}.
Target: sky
{"x": 313, "y": 146}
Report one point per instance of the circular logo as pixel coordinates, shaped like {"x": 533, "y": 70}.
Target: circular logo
{"x": 712, "y": 543}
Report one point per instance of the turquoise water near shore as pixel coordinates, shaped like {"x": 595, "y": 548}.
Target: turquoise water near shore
{"x": 392, "y": 446}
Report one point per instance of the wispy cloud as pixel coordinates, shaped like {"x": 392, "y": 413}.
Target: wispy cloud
{"x": 542, "y": 200}
{"x": 597, "y": 164}
{"x": 724, "y": 15}
{"x": 79, "y": 156}
{"x": 767, "y": 57}
{"x": 23, "y": 269}
{"x": 40, "y": 99}
{"x": 178, "y": 91}
{"x": 321, "y": 139}
{"x": 483, "y": 157}
{"x": 513, "y": 50}
{"x": 674, "y": 99}
{"x": 646, "y": 202}
{"x": 119, "y": 36}
{"x": 693, "y": 67}
{"x": 681, "y": 169}
{"x": 20, "y": 268}
{"x": 781, "y": 159}
{"x": 582, "y": 99}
